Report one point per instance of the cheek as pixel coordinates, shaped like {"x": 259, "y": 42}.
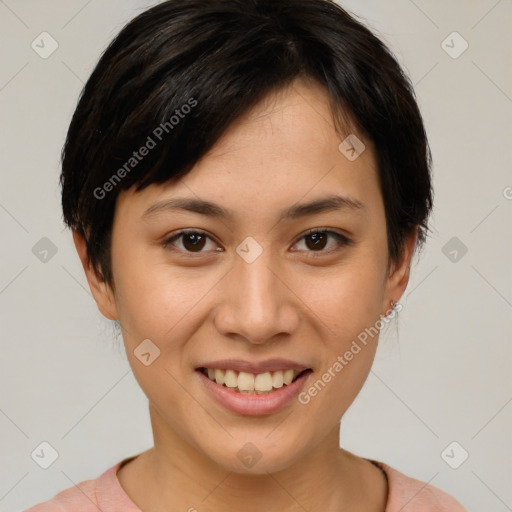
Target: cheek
{"x": 156, "y": 303}
{"x": 348, "y": 302}
{"x": 346, "y": 299}
{"x": 143, "y": 292}
{"x": 151, "y": 305}
{"x": 160, "y": 302}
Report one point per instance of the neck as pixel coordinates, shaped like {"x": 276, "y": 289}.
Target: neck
{"x": 174, "y": 472}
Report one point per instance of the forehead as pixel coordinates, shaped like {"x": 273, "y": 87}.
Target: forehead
{"x": 283, "y": 151}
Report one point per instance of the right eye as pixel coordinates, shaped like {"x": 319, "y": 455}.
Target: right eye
{"x": 189, "y": 241}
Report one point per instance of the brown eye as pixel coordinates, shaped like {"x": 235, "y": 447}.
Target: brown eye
{"x": 193, "y": 241}
{"x": 189, "y": 242}
{"x": 318, "y": 241}
{"x": 323, "y": 241}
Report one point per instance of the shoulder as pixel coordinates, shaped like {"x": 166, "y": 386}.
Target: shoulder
{"x": 80, "y": 497}
{"x": 102, "y": 493}
{"x": 406, "y": 494}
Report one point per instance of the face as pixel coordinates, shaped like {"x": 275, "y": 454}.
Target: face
{"x": 255, "y": 289}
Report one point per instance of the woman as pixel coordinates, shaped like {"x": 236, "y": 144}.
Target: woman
{"x": 247, "y": 182}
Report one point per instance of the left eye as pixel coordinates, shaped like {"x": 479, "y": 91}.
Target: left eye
{"x": 314, "y": 241}
{"x": 318, "y": 240}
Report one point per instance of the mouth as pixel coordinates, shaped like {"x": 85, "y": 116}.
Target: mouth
{"x": 253, "y": 388}
{"x": 250, "y": 383}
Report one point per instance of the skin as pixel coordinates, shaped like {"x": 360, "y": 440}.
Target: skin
{"x": 287, "y": 303}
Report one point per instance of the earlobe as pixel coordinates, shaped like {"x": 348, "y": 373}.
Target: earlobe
{"x": 101, "y": 291}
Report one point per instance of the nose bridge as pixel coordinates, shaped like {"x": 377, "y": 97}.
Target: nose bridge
{"x": 257, "y": 294}
{"x": 255, "y": 305}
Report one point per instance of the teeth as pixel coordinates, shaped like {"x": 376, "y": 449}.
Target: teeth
{"x": 245, "y": 382}
{"x": 277, "y": 380}
{"x": 219, "y": 377}
{"x": 288, "y": 376}
{"x": 230, "y": 379}
{"x": 263, "y": 382}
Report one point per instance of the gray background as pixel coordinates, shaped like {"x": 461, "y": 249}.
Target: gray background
{"x": 442, "y": 372}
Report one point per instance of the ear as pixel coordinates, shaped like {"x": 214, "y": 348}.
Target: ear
{"x": 101, "y": 291}
{"x": 399, "y": 272}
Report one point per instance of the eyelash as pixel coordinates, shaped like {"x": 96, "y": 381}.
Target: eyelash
{"x": 342, "y": 240}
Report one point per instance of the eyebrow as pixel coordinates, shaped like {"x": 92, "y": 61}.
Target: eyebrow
{"x": 315, "y": 207}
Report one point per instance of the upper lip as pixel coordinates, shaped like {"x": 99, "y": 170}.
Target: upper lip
{"x": 268, "y": 365}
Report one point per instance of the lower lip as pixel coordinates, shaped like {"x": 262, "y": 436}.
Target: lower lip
{"x": 254, "y": 405}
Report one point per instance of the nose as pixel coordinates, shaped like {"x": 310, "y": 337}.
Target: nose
{"x": 256, "y": 304}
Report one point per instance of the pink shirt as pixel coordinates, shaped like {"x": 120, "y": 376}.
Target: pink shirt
{"x": 106, "y": 494}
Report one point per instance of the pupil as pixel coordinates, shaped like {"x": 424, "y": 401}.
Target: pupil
{"x": 193, "y": 241}
{"x": 318, "y": 241}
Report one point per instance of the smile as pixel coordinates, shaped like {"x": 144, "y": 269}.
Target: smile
{"x": 252, "y": 383}
{"x": 253, "y": 388}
